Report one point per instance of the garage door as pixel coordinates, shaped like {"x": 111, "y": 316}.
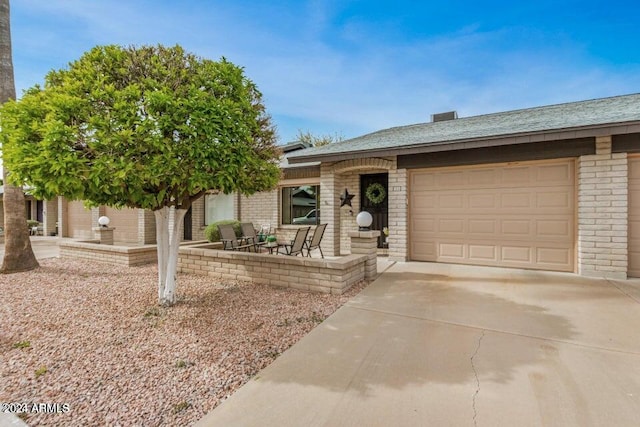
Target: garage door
{"x": 509, "y": 215}
{"x": 634, "y": 217}
{"x": 79, "y": 221}
{"x": 125, "y": 222}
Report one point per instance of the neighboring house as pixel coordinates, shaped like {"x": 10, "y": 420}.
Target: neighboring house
{"x": 138, "y": 225}
{"x": 552, "y": 188}
{"x": 34, "y": 208}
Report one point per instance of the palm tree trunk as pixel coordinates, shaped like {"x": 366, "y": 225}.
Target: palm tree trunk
{"x": 18, "y": 254}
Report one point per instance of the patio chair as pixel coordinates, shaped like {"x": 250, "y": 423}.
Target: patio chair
{"x": 249, "y": 235}
{"x": 297, "y": 244}
{"x": 314, "y": 242}
{"x": 229, "y": 240}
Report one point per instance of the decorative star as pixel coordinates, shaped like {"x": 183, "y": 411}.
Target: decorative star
{"x": 345, "y": 199}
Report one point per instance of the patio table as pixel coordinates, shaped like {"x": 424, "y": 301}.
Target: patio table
{"x": 271, "y": 246}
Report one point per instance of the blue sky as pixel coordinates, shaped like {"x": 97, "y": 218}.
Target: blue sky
{"x": 352, "y": 67}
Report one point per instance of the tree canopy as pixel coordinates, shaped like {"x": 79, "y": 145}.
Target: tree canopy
{"x": 318, "y": 140}
{"x": 146, "y": 127}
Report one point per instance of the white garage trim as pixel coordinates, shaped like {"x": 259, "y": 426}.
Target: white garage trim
{"x": 511, "y": 214}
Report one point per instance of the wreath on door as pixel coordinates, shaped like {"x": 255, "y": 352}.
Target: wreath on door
{"x": 375, "y": 193}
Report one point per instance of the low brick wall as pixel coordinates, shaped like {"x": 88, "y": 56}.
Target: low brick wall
{"x": 310, "y": 274}
{"x": 122, "y": 255}
{"x": 113, "y": 254}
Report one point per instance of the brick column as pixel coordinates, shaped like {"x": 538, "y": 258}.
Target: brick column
{"x": 49, "y": 216}
{"x": 63, "y": 227}
{"x": 366, "y": 243}
{"x": 97, "y": 213}
{"x": 602, "y": 212}
{"x": 146, "y": 227}
{"x": 104, "y": 235}
{"x": 330, "y": 210}
{"x": 398, "y": 214}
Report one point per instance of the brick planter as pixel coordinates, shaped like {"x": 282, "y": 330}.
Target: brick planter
{"x": 310, "y": 274}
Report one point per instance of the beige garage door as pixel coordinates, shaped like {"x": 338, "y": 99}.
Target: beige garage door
{"x": 79, "y": 221}
{"x": 511, "y": 215}
{"x": 634, "y": 217}
{"x": 125, "y": 222}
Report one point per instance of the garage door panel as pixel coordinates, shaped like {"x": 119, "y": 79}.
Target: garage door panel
{"x": 511, "y": 200}
{"x": 554, "y": 174}
{"x": 553, "y": 228}
{"x": 482, "y": 201}
{"x": 553, "y": 256}
{"x": 451, "y": 179}
{"x": 452, "y": 251}
{"x": 483, "y": 226}
{"x": 487, "y": 177}
{"x": 554, "y": 199}
{"x": 503, "y": 215}
{"x": 514, "y": 175}
{"x": 517, "y": 254}
{"x": 634, "y": 218}
{"x": 516, "y": 227}
{"x": 451, "y": 225}
{"x": 483, "y": 253}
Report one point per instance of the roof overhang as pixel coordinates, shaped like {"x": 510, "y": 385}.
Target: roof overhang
{"x": 463, "y": 144}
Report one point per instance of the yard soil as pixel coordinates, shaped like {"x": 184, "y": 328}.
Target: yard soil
{"x": 91, "y": 335}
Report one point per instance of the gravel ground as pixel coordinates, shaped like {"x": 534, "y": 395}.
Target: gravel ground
{"x": 91, "y": 336}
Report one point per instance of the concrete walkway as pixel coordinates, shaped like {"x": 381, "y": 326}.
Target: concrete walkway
{"x": 432, "y": 344}
{"x": 43, "y": 247}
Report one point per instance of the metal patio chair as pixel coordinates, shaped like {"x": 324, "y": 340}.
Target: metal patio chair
{"x": 229, "y": 240}
{"x": 249, "y": 235}
{"x": 314, "y": 242}
{"x": 297, "y": 244}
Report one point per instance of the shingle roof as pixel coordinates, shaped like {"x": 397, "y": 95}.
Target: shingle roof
{"x": 540, "y": 120}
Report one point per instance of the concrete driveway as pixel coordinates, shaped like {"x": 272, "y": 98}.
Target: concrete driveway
{"x": 433, "y": 344}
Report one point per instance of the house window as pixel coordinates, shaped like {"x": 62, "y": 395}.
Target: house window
{"x": 218, "y": 207}
{"x": 299, "y": 205}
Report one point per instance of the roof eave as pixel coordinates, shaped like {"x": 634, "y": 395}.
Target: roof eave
{"x": 462, "y": 144}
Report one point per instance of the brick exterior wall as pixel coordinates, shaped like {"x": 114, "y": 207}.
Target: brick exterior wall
{"x": 260, "y": 209}
{"x": 398, "y": 211}
{"x": 603, "y": 212}
{"x": 317, "y": 275}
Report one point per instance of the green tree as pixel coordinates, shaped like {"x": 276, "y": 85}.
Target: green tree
{"x": 149, "y": 127}
{"x": 318, "y": 140}
{"x": 18, "y": 254}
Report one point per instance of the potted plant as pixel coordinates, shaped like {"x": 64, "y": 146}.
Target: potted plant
{"x": 385, "y": 231}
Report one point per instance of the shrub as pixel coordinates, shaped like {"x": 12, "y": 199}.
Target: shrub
{"x": 32, "y": 223}
{"x": 212, "y": 234}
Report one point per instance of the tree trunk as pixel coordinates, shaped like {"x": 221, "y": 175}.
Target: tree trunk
{"x": 168, "y": 243}
{"x": 18, "y": 255}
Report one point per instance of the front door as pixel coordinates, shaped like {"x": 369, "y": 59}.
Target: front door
{"x": 376, "y": 202}
{"x": 188, "y": 225}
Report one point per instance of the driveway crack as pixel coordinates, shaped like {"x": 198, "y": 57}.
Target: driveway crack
{"x": 475, "y": 372}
